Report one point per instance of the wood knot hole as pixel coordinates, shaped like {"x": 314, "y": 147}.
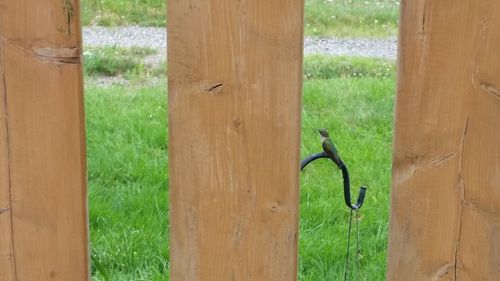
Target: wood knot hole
{"x": 215, "y": 88}
{"x": 276, "y": 207}
{"x": 237, "y": 123}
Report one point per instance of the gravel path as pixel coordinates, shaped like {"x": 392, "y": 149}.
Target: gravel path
{"x": 361, "y": 47}
{"x": 156, "y": 38}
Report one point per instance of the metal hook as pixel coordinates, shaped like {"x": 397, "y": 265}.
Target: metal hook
{"x": 311, "y": 158}
{"x": 345, "y": 174}
{"x": 347, "y": 190}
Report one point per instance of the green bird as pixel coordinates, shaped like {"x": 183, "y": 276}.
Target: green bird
{"x": 329, "y": 148}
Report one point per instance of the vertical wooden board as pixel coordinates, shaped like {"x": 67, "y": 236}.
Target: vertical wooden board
{"x": 42, "y": 140}
{"x": 446, "y": 172}
{"x": 235, "y": 72}
{"x": 6, "y": 260}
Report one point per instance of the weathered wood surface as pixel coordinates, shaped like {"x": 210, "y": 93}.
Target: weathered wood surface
{"x": 43, "y": 212}
{"x": 445, "y": 219}
{"x": 235, "y": 71}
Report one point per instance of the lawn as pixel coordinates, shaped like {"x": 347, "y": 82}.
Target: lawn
{"x": 124, "y": 12}
{"x": 128, "y": 175}
{"x": 351, "y": 18}
{"x": 346, "y": 18}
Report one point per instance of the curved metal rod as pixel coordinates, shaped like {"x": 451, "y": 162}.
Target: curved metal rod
{"x": 312, "y": 158}
{"x": 345, "y": 174}
{"x": 347, "y": 190}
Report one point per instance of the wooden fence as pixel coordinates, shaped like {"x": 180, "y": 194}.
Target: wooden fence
{"x": 43, "y": 208}
{"x": 445, "y": 213}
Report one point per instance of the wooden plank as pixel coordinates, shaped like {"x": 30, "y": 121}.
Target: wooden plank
{"x": 446, "y": 180}
{"x": 6, "y": 260}
{"x": 43, "y": 226}
{"x": 235, "y": 71}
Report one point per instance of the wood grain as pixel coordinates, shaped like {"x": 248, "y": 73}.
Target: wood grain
{"x": 446, "y": 180}
{"x": 235, "y": 71}
{"x": 43, "y": 211}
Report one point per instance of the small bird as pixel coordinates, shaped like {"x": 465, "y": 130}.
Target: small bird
{"x": 329, "y": 148}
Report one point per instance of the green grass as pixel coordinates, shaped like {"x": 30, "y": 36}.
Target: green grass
{"x": 351, "y": 18}
{"x": 113, "y": 61}
{"x": 127, "y": 164}
{"x": 127, "y": 158}
{"x": 321, "y": 67}
{"x": 346, "y": 18}
{"x": 124, "y": 12}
